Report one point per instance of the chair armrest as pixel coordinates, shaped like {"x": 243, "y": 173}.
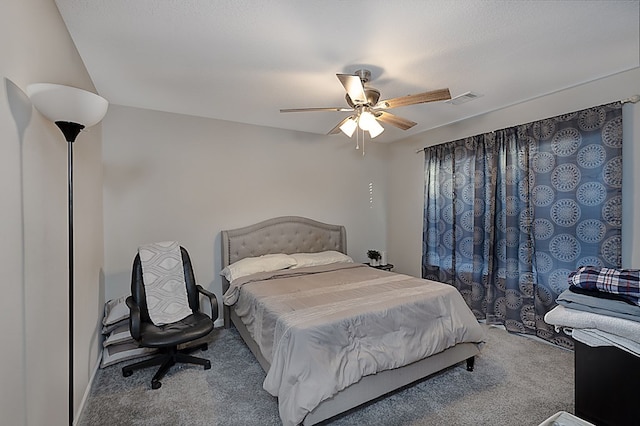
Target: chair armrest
{"x": 134, "y": 318}
{"x": 213, "y": 301}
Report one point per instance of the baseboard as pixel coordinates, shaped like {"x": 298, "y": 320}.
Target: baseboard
{"x": 87, "y": 391}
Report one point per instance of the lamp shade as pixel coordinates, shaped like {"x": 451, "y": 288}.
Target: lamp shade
{"x": 375, "y": 129}
{"x": 348, "y": 127}
{"x": 366, "y": 120}
{"x": 369, "y": 123}
{"x": 68, "y": 104}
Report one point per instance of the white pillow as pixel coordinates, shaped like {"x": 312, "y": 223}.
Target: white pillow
{"x": 322, "y": 258}
{"x": 122, "y": 352}
{"x": 115, "y": 310}
{"x": 107, "y": 329}
{"x": 118, "y": 335}
{"x": 253, "y": 265}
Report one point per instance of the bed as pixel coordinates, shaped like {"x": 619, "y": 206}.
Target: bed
{"x": 280, "y": 348}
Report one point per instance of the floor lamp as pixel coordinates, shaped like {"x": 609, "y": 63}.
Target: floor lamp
{"x": 72, "y": 110}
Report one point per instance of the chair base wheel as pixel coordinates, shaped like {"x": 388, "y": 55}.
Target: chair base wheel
{"x": 166, "y": 359}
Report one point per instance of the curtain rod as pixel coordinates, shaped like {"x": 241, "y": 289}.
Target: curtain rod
{"x": 630, "y": 100}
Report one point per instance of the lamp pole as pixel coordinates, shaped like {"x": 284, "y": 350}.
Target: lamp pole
{"x": 70, "y": 131}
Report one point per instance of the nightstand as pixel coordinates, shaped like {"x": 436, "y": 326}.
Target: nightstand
{"x": 386, "y": 267}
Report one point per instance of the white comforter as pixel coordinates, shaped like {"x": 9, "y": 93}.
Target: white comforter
{"x": 324, "y": 330}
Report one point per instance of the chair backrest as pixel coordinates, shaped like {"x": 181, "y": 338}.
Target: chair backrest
{"x": 140, "y": 297}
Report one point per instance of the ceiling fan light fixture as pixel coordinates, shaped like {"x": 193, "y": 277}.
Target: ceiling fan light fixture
{"x": 366, "y": 120}
{"x": 368, "y": 110}
{"x": 349, "y": 126}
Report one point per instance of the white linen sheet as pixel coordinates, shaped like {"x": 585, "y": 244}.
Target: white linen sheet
{"x": 324, "y": 328}
{"x": 572, "y": 318}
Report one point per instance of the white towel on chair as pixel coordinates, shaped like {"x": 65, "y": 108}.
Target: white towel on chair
{"x": 164, "y": 284}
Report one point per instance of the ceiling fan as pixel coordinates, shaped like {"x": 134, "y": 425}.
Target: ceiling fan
{"x": 364, "y": 101}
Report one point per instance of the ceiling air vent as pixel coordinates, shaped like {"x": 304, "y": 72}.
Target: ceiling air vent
{"x": 464, "y": 98}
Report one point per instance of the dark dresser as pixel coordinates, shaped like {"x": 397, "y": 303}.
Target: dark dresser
{"x": 607, "y": 385}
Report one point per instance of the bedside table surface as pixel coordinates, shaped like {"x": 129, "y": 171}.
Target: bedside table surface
{"x": 386, "y": 267}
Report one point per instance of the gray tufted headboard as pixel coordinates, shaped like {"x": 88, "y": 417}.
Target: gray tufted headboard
{"x": 287, "y": 234}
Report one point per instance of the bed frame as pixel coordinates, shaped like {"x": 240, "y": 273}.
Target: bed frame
{"x": 293, "y": 234}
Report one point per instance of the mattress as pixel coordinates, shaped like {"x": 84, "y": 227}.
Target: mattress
{"x": 323, "y": 328}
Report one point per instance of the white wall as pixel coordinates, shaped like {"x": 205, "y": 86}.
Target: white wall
{"x": 406, "y": 167}
{"x": 33, "y": 191}
{"x": 183, "y": 178}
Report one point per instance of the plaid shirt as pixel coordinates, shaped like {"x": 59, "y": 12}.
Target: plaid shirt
{"x": 623, "y": 282}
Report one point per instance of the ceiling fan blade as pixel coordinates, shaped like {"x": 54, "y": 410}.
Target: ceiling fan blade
{"x": 432, "y": 96}
{"x": 316, "y": 109}
{"x": 337, "y": 128}
{"x": 354, "y": 87}
{"x": 394, "y": 120}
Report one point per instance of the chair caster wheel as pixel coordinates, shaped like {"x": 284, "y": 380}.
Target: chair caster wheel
{"x": 207, "y": 366}
{"x": 204, "y": 347}
{"x": 155, "y": 384}
{"x": 126, "y": 373}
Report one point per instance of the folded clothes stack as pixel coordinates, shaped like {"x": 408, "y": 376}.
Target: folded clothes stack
{"x": 601, "y": 307}
{"x": 118, "y": 343}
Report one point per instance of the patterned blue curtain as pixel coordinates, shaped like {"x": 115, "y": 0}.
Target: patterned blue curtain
{"x": 509, "y": 214}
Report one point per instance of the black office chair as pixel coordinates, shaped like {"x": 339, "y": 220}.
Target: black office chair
{"x": 167, "y": 337}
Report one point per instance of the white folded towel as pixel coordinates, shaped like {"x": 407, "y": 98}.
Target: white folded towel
{"x": 566, "y": 317}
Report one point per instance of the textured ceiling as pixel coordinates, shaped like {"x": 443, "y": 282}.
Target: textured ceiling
{"x": 244, "y": 60}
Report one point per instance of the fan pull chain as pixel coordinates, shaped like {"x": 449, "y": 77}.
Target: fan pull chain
{"x": 363, "y": 143}
{"x": 358, "y": 140}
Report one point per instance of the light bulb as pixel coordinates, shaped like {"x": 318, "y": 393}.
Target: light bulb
{"x": 366, "y": 120}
